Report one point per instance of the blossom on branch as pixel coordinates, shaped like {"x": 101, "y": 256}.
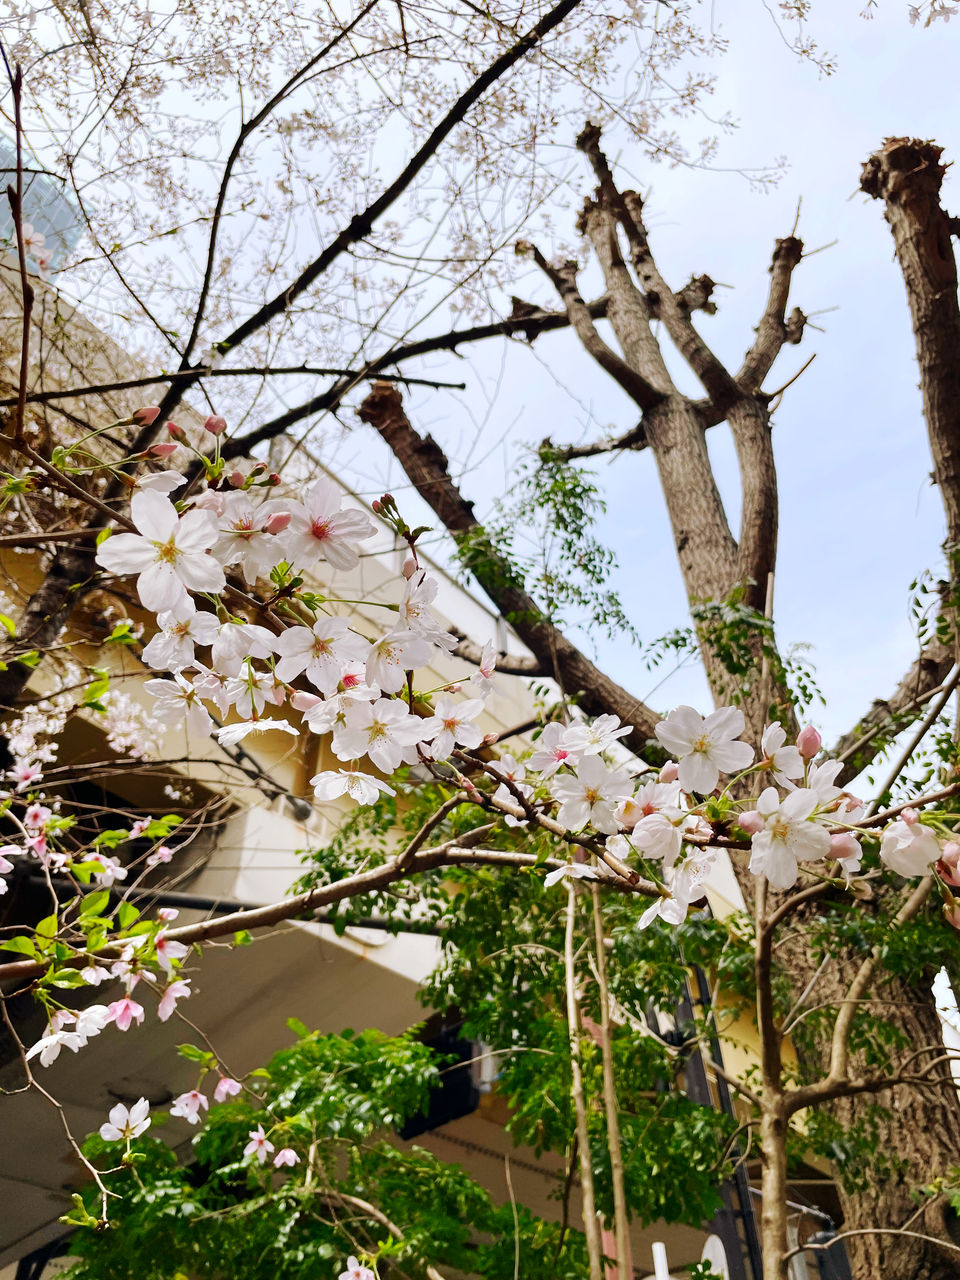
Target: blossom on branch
{"x": 124, "y": 1125}
{"x": 706, "y": 745}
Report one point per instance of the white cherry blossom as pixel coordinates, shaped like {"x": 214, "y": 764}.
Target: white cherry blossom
{"x": 238, "y": 641}
{"x": 456, "y": 726}
{"x": 657, "y": 837}
{"x": 248, "y": 534}
{"x": 172, "y": 648}
{"x": 169, "y": 553}
{"x": 786, "y": 762}
{"x": 706, "y": 746}
{"x": 381, "y": 730}
{"x": 555, "y": 747}
{"x": 189, "y": 1105}
{"x": 49, "y": 1046}
{"x": 230, "y": 734}
{"x": 177, "y": 702}
{"x": 591, "y": 796}
{"x": 393, "y": 655}
{"x": 319, "y": 652}
{"x": 573, "y": 870}
{"x": 484, "y": 677}
{"x": 788, "y": 836}
{"x": 909, "y": 848}
{"x": 319, "y": 527}
{"x": 416, "y": 614}
{"x": 362, "y": 787}
{"x": 123, "y": 1124}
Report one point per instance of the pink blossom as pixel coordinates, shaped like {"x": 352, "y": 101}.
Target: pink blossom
{"x": 163, "y": 854}
{"x": 178, "y": 990}
{"x": 163, "y": 450}
{"x": 286, "y": 1155}
{"x": 123, "y": 1012}
{"x": 147, "y": 415}
{"x": 215, "y": 424}
{"x": 259, "y": 1145}
{"x": 670, "y": 772}
{"x": 189, "y": 1105}
{"x": 24, "y": 773}
{"x": 124, "y": 1125}
{"x": 167, "y": 914}
{"x": 226, "y": 1088}
{"x": 169, "y": 951}
{"x": 36, "y": 817}
{"x": 319, "y": 527}
{"x": 809, "y": 742}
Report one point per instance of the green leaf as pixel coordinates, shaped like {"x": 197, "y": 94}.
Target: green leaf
{"x": 8, "y": 625}
{"x": 29, "y": 659}
{"x": 23, "y": 945}
{"x": 94, "y": 903}
{"x": 65, "y": 978}
{"x": 47, "y": 927}
{"x": 243, "y": 938}
{"x": 127, "y": 913}
{"x": 103, "y": 535}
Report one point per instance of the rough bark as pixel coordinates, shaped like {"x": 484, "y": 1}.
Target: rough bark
{"x": 426, "y": 466}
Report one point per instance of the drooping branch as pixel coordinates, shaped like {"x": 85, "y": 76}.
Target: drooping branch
{"x": 427, "y": 469}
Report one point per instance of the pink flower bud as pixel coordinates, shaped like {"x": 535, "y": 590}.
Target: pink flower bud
{"x": 178, "y": 433}
{"x": 215, "y": 425}
{"x": 238, "y": 479}
{"x": 950, "y": 853}
{"x": 910, "y": 817}
{"x": 163, "y": 450}
{"x": 387, "y": 500}
{"x": 456, "y": 687}
{"x": 844, "y": 845}
{"x": 809, "y": 742}
{"x": 272, "y": 479}
{"x": 948, "y": 874}
{"x": 303, "y": 701}
{"x": 670, "y": 772}
{"x": 409, "y": 568}
{"x": 277, "y": 522}
{"x": 751, "y": 821}
{"x": 210, "y": 500}
{"x": 148, "y": 414}
{"x": 376, "y": 506}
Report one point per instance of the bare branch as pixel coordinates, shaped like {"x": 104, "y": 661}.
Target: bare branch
{"x": 774, "y": 330}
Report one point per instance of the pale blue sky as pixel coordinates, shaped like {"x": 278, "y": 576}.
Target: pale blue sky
{"x": 859, "y": 518}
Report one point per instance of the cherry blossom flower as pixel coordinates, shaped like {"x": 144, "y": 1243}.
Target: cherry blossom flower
{"x": 381, "y": 731}
{"x": 164, "y": 482}
{"x": 189, "y": 1105}
{"x": 418, "y": 592}
{"x": 651, "y": 798}
{"x": 227, "y": 1087}
{"x": 657, "y": 837}
{"x": 908, "y": 847}
{"x": 5, "y": 864}
{"x": 597, "y": 736}
{"x": 707, "y": 745}
{"x": 361, "y": 787}
{"x": 591, "y": 796}
{"x": 169, "y": 952}
{"x": 163, "y": 854}
{"x": 168, "y": 554}
{"x": 845, "y": 848}
{"x": 486, "y": 671}
{"x": 166, "y": 913}
{"x": 575, "y": 870}
{"x": 248, "y": 534}
{"x": 25, "y": 773}
{"x": 31, "y": 239}
{"x": 49, "y": 1046}
{"x": 785, "y": 762}
{"x": 788, "y": 836}
{"x": 94, "y": 974}
{"x": 230, "y": 734}
{"x": 318, "y": 527}
{"x": 354, "y": 1271}
{"x": 178, "y": 990}
{"x": 177, "y": 702}
{"x": 92, "y": 1020}
{"x": 392, "y": 656}
{"x": 456, "y": 726}
{"x": 319, "y": 652}
{"x": 123, "y": 1012}
{"x": 259, "y": 1145}
{"x": 286, "y": 1155}
{"x": 687, "y": 884}
{"x": 124, "y": 1125}
{"x": 555, "y": 747}
{"x": 172, "y": 648}
{"x": 238, "y": 641}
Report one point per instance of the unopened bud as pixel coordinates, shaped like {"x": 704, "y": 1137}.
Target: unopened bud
{"x": 277, "y": 522}
{"x": 303, "y": 701}
{"x": 950, "y": 853}
{"x": 215, "y": 425}
{"x": 272, "y": 479}
{"x": 162, "y": 450}
{"x": 387, "y": 500}
{"x": 238, "y": 479}
{"x": 628, "y": 813}
{"x": 910, "y": 817}
{"x": 409, "y": 568}
{"x": 456, "y": 687}
{"x": 809, "y": 742}
{"x": 376, "y": 505}
{"x": 148, "y": 414}
{"x": 178, "y": 433}
{"x": 670, "y": 772}
{"x": 751, "y": 821}
{"x": 844, "y": 845}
